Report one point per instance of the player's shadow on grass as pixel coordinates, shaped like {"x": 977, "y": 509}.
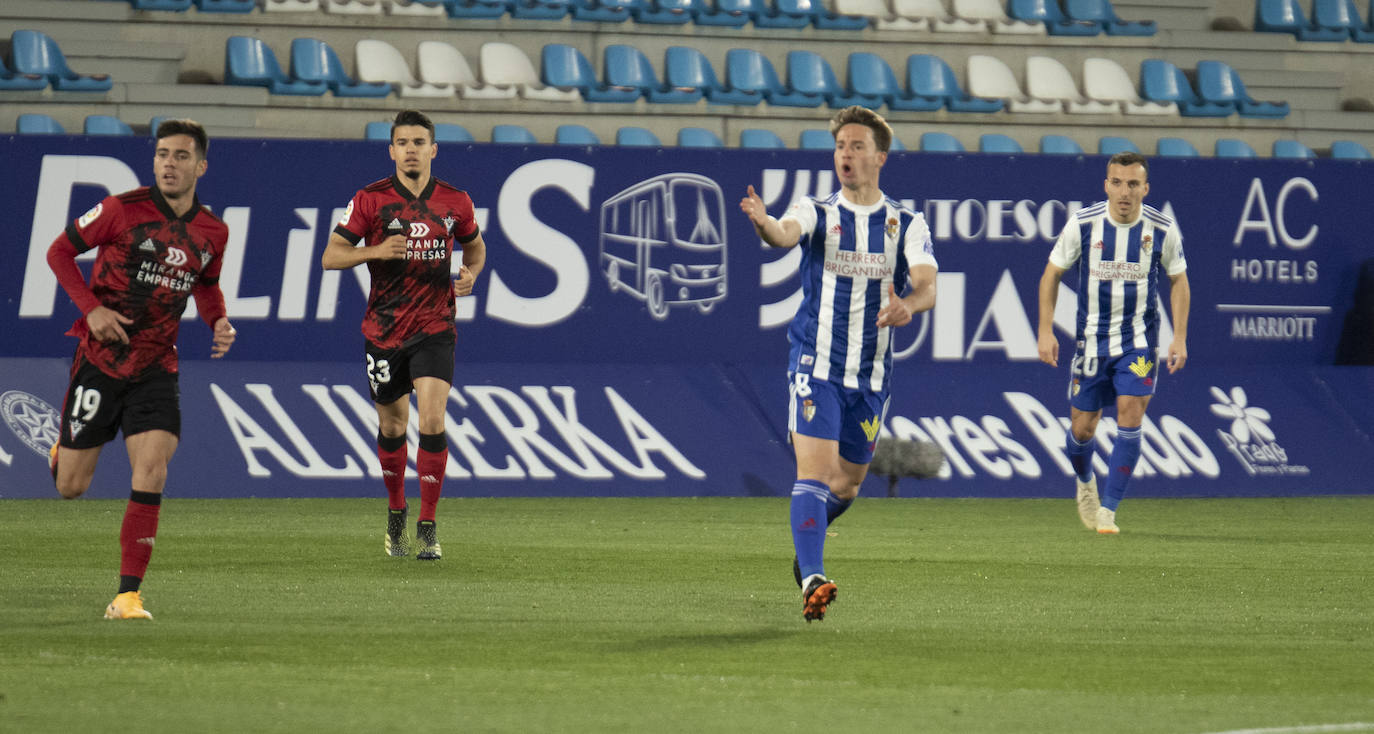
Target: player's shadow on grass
{"x": 705, "y": 639}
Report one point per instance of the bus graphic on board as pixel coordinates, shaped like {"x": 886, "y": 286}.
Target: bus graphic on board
{"x": 663, "y": 241}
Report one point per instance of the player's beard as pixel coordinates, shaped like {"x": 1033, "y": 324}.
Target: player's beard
{"x": 413, "y": 175}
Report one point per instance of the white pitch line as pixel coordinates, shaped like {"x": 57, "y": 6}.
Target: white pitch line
{"x": 1314, "y": 729}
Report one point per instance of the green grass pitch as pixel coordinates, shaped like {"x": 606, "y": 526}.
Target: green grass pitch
{"x": 667, "y": 615}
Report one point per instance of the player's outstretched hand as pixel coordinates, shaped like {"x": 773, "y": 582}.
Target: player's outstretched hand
{"x": 462, "y": 285}
{"x": 107, "y": 325}
{"x": 753, "y": 206}
{"x": 224, "y": 338}
{"x": 1048, "y": 347}
{"x": 896, "y": 312}
{"x": 392, "y": 248}
{"x": 1178, "y": 354}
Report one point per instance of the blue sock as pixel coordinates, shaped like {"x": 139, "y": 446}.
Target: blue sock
{"x": 834, "y": 507}
{"x": 1125, "y": 453}
{"x": 808, "y": 524}
{"x": 1080, "y": 456}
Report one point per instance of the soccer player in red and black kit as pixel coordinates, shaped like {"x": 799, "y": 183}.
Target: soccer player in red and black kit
{"x": 410, "y": 222}
{"x": 157, "y": 247}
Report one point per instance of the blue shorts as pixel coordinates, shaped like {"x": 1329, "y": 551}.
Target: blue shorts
{"x": 1095, "y": 382}
{"x": 823, "y": 409}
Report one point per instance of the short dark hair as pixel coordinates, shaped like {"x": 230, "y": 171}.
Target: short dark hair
{"x": 1130, "y": 159}
{"x": 882, "y": 132}
{"x": 412, "y": 117}
{"x": 168, "y": 128}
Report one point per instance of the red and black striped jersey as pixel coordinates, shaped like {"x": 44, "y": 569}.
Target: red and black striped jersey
{"x": 148, "y": 264}
{"x": 410, "y": 298}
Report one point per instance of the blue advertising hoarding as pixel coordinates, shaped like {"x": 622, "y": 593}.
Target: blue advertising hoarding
{"x": 627, "y": 336}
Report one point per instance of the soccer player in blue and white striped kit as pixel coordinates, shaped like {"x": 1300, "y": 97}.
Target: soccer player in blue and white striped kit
{"x": 859, "y": 250}
{"x": 1119, "y": 246}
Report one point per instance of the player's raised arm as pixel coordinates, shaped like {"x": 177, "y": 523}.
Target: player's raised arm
{"x": 775, "y": 233}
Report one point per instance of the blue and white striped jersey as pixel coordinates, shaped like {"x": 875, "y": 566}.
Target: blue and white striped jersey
{"x": 1118, "y": 279}
{"x": 849, "y": 255}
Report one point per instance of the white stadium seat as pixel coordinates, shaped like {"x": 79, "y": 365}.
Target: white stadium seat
{"x": 990, "y": 78}
{"x": 505, "y": 64}
{"x": 1105, "y": 80}
{"x": 379, "y": 61}
{"x": 1046, "y": 78}
{"x": 443, "y": 65}
{"x": 995, "y": 16}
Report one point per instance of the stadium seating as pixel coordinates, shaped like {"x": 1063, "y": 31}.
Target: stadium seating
{"x": 12, "y": 81}
{"x": 156, "y": 122}
{"x": 447, "y": 132}
{"x": 432, "y": 8}
{"x": 313, "y": 60}
{"x": 636, "y": 137}
{"x": 1102, "y": 12}
{"x": 728, "y": 13}
{"x": 815, "y": 12}
{"x": 896, "y": 146}
{"x": 872, "y": 78}
{"x": 604, "y": 11}
{"x": 1046, "y": 78}
{"x": 1161, "y": 81}
{"x": 571, "y": 134}
{"x": 698, "y": 137}
{"x": 1341, "y": 14}
{"x": 751, "y": 74}
{"x": 752, "y": 138}
{"x": 1286, "y": 16}
{"x": 539, "y": 9}
{"x": 1112, "y": 144}
{"x": 930, "y": 77}
{"x": 816, "y": 140}
{"x": 1349, "y": 150}
{"x": 989, "y": 78}
{"x": 686, "y": 69}
{"x": 505, "y": 64}
{"x": 226, "y": 6}
{"x": 105, "y": 125}
{"x": 1175, "y": 148}
{"x": 932, "y": 14}
{"x": 474, "y": 9}
{"x": 36, "y": 53}
{"x": 626, "y": 67}
{"x": 564, "y": 67}
{"x": 37, "y": 123}
{"x": 1059, "y": 145}
{"x": 513, "y": 135}
{"x": 997, "y": 143}
{"x": 175, "y": 5}
{"x": 937, "y": 142}
{"x": 353, "y": 7}
{"x": 879, "y": 15}
{"x": 1292, "y": 149}
{"x": 379, "y": 62}
{"x": 809, "y": 73}
{"x": 250, "y": 62}
{"x": 1232, "y": 148}
{"x": 291, "y": 6}
{"x": 443, "y": 65}
{"x": 378, "y": 131}
{"x": 664, "y": 12}
{"x": 994, "y": 17}
{"x": 1104, "y": 80}
{"x": 1220, "y": 84}
{"x": 1048, "y": 12}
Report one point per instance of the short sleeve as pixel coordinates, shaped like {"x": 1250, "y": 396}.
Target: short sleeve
{"x": 101, "y": 224}
{"x": 918, "y": 247}
{"x": 353, "y": 225}
{"x": 1172, "y": 257}
{"x": 803, "y": 212}
{"x": 1068, "y": 247}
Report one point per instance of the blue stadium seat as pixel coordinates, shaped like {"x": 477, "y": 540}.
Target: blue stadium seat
{"x": 636, "y": 137}
{"x": 698, "y": 137}
{"x": 226, "y": 6}
{"x": 313, "y": 60}
{"x": 604, "y": 11}
{"x": 817, "y": 140}
{"x": 1349, "y": 150}
{"x": 997, "y": 143}
{"x": 665, "y": 12}
{"x": 783, "y": 14}
{"x": 1220, "y": 84}
{"x": 1059, "y": 145}
{"x": 1048, "y": 12}
{"x": 628, "y": 68}
{"x": 936, "y": 142}
{"x": 819, "y": 15}
{"x": 929, "y": 77}
{"x": 1111, "y": 145}
{"x": 809, "y": 73}
{"x": 156, "y": 122}
{"x": 565, "y": 67}
{"x": 513, "y": 134}
{"x": 250, "y": 62}
{"x": 105, "y": 125}
{"x": 11, "y": 81}
{"x": 750, "y": 73}
{"x": 1161, "y": 81}
{"x": 571, "y": 134}
{"x": 896, "y": 146}
{"x": 727, "y": 13}
{"x": 1292, "y": 149}
{"x": 34, "y": 52}
{"x": 468, "y": 9}
{"x": 1341, "y": 14}
{"x": 377, "y": 131}
{"x": 1175, "y": 148}
{"x": 1286, "y": 16}
{"x": 686, "y": 68}
{"x": 177, "y": 5}
{"x": 751, "y": 138}
{"x": 539, "y": 9}
{"x": 37, "y": 123}
{"x": 870, "y": 76}
{"x": 1102, "y": 13}
{"x": 1232, "y": 148}
{"x": 447, "y": 132}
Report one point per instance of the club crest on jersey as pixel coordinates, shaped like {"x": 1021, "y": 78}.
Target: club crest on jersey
{"x": 1141, "y": 366}
{"x": 1097, "y": 245}
{"x": 1146, "y": 243}
{"x": 1076, "y": 387}
{"x": 892, "y": 226}
{"x": 808, "y": 410}
{"x": 448, "y": 224}
{"x": 90, "y": 216}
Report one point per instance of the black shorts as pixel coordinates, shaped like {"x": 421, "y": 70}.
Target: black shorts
{"x": 391, "y": 373}
{"x": 98, "y": 406}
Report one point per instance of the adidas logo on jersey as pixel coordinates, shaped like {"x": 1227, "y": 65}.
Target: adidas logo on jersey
{"x": 394, "y": 225}
{"x": 147, "y": 246}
